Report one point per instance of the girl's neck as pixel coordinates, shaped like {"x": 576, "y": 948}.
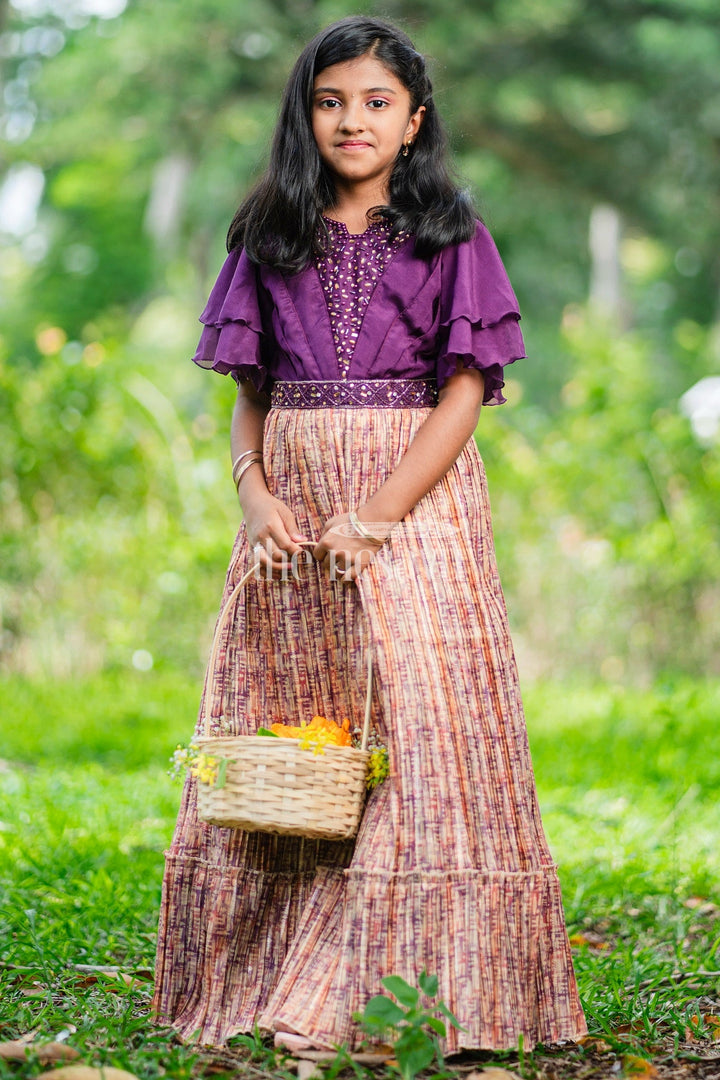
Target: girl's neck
{"x": 352, "y": 205}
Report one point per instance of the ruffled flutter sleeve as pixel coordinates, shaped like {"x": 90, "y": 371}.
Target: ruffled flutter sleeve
{"x": 478, "y": 314}
{"x": 232, "y": 340}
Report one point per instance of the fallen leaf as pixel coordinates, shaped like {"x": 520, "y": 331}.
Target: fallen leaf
{"x": 592, "y": 941}
{"x": 113, "y": 969}
{"x": 701, "y": 905}
{"x": 29, "y": 1036}
{"x": 128, "y": 980}
{"x": 17, "y": 1050}
{"x": 594, "y": 1042}
{"x": 636, "y": 1028}
{"x": 711, "y": 1025}
{"x": 86, "y": 1072}
{"x": 637, "y": 1067}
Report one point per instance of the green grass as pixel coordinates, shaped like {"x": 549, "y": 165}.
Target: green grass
{"x": 627, "y": 782}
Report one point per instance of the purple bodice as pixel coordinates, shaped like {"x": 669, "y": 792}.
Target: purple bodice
{"x": 370, "y": 309}
{"x": 349, "y": 272}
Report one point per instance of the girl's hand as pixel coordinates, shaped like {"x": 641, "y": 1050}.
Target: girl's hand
{"x": 272, "y": 533}
{"x": 341, "y": 551}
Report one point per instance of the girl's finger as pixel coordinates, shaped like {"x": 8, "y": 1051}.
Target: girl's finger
{"x": 270, "y": 558}
{"x": 274, "y": 561}
{"x": 272, "y": 546}
{"x": 262, "y": 561}
{"x": 288, "y": 533}
{"x": 284, "y": 541}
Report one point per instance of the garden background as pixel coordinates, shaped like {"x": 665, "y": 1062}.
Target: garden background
{"x": 589, "y": 134}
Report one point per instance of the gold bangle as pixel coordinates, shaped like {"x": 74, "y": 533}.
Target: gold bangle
{"x": 362, "y": 531}
{"x": 238, "y": 459}
{"x": 245, "y": 466}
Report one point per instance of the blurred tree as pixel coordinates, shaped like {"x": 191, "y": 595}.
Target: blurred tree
{"x": 130, "y": 134}
{"x": 606, "y": 519}
{"x": 554, "y": 105}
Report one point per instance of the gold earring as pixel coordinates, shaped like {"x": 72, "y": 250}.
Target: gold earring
{"x": 406, "y": 148}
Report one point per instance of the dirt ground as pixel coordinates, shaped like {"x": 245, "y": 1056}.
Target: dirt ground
{"x": 677, "y": 1061}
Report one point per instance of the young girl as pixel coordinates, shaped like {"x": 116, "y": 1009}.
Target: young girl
{"x": 366, "y": 316}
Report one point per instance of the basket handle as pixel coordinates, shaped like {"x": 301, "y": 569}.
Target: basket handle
{"x": 224, "y": 615}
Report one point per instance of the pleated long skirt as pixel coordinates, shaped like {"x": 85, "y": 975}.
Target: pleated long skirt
{"x": 450, "y": 872}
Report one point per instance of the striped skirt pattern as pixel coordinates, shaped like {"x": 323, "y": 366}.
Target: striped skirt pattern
{"x": 450, "y": 872}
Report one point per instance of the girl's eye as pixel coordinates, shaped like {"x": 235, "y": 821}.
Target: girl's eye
{"x": 328, "y": 103}
{"x": 377, "y": 103}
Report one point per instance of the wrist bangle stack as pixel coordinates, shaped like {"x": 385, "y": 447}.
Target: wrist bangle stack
{"x": 241, "y": 457}
{"x": 362, "y": 531}
{"x": 243, "y": 463}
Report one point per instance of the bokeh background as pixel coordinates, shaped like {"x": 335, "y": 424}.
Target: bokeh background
{"x": 589, "y": 133}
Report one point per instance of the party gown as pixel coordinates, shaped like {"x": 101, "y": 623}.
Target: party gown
{"x": 450, "y": 872}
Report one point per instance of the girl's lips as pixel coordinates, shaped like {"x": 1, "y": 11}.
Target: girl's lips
{"x": 353, "y": 144}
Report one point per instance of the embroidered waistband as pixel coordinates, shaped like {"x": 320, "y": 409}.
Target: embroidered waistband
{"x": 355, "y": 394}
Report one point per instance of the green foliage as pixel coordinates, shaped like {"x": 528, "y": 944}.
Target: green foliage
{"x": 604, "y": 516}
{"x": 115, "y": 522}
{"x": 120, "y": 720}
{"x": 268, "y": 1058}
{"x": 627, "y": 782}
{"x": 412, "y": 1028}
{"x": 116, "y": 514}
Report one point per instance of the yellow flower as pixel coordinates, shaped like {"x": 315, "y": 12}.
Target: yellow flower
{"x": 190, "y": 759}
{"x": 205, "y": 769}
{"x": 378, "y": 767}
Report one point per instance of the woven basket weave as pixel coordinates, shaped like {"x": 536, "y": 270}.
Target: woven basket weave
{"x": 272, "y": 785}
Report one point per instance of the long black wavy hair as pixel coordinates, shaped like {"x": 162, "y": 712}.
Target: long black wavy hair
{"x": 280, "y": 221}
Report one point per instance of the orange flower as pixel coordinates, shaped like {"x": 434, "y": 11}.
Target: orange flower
{"x": 285, "y": 731}
{"x": 319, "y": 730}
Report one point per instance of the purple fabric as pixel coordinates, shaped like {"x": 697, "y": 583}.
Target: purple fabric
{"x": 423, "y": 318}
{"x": 348, "y": 273}
{"x": 355, "y": 394}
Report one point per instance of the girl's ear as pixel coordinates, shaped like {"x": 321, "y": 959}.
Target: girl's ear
{"x": 414, "y": 123}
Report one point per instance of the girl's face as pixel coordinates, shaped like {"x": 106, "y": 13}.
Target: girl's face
{"x": 361, "y": 117}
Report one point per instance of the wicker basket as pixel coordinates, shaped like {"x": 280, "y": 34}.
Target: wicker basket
{"x": 273, "y": 786}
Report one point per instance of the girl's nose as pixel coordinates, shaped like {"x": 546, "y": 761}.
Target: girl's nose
{"x": 352, "y": 119}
